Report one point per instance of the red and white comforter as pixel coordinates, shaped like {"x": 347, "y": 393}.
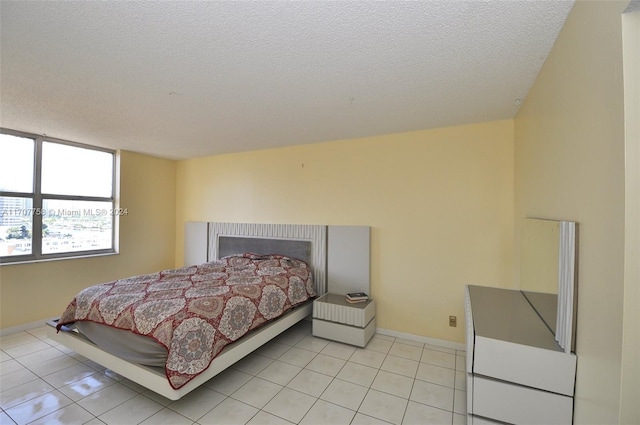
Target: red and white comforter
{"x": 195, "y": 311}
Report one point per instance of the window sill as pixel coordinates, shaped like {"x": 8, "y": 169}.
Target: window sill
{"x": 45, "y": 260}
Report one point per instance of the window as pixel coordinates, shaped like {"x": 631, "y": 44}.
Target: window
{"x": 56, "y": 198}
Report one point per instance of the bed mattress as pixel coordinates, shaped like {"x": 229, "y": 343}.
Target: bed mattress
{"x": 125, "y": 344}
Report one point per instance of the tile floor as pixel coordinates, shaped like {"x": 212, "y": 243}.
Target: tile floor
{"x": 296, "y": 378}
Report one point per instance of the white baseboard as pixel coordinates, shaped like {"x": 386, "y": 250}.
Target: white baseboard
{"x": 24, "y": 327}
{"x": 396, "y": 334}
{"x": 422, "y": 339}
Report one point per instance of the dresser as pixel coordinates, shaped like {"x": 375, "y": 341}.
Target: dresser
{"x": 516, "y": 372}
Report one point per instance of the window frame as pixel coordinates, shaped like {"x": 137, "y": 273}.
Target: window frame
{"x": 38, "y": 198}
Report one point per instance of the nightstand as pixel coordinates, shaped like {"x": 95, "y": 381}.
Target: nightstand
{"x": 336, "y": 319}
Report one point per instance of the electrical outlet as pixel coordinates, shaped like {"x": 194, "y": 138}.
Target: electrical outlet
{"x": 453, "y": 321}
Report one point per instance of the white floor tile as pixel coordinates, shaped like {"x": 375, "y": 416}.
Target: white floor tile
{"x": 132, "y": 411}
{"x": 421, "y": 414}
{"x": 310, "y": 382}
{"x": 438, "y": 358}
{"x": 252, "y": 364}
{"x": 460, "y": 382}
{"x": 339, "y": 350}
{"x": 380, "y": 345}
{"x": 5, "y": 419}
{"x": 368, "y": 357}
{"x": 38, "y": 357}
{"x": 409, "y": 342}
{"x": 358, "y": 373}
{"x": 326, "y": 364}
{"x": 4, "y": 356}
{"x": 39, "y": 332}
{"x": 312, "y": 343}
{"x": 9, "y": 366}
{"x": 360, "y": 419}
{"x": 197, "y": 403}
{"x": 162, "y": 399}
{"x": 52, "y": 365}
{"x": 406, "y": 351}
{"x": 345, "y": 394}
{"x": 14, "y": 340}
{"x": 167, "y": 417}
{"x": 38, "y": 407}
{"x": 384, "y": 406}
{"x": 385, "y": 337}
{"x": 436, "y": 374}
{"x": 264, "y": 418}
{"x": 257, "y": 392}
{"x": 279, "y": 372}
{"x": 290, "y": 404}
{"x": 273, "y": 349}
{"x": 393, "y": 383}
{"x": 439, "y": 348}
{"x": 134, "y": 386}
{"x": 94, "y": 421}
{"x": 25, "y": 392}
{"x": 229, "y": 412}
{"x": 432, "y": 395}
{"x": 71, "y": 374}
{"x": 71, "y": 414}
{"x": 460, "y": 402}
{"x": 297, "y": 356}
{"x": 19, "y": 377}
{"x": 106, "y": 399}
{"x": 228, "y": 382}
{"x": 323, "y": 413}
{"x": 400, "y": 366}
{"x": 459, "y": 419}
{"x": 461, "y": 363}
{"x": 86, "y": 386}
{"x": 24, "y": 349}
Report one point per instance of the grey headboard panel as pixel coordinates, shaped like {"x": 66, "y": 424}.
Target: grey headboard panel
{"x": 229, "y": 245}
{"x": 294, "y": 240}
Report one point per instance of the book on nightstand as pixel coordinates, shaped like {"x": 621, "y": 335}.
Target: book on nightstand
{"x": 357, "y": 297}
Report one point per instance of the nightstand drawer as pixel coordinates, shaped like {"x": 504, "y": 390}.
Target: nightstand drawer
{"x": 352, "y": 335}
{"x": 334, "y": 308}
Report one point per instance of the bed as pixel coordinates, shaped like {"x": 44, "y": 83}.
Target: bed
{"x": 211, "y": 249}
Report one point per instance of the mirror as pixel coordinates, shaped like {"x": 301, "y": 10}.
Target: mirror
{"x": 539, "y": 256}
{"x": 547, "y": 274}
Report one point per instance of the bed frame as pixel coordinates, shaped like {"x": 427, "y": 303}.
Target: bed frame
{"x": 207, "y": 242}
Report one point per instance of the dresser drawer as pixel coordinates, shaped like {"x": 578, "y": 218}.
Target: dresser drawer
{"x": 516, "y": 404}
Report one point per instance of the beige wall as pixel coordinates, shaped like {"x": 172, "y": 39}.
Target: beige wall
{"x": 32, "y": 292}
{"x": 440, "y": 203}
{"x": 630, "y": 388}
{"x": 569, "y": 162}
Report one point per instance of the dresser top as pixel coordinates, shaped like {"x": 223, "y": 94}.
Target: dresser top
{"x": 506, "y": 315}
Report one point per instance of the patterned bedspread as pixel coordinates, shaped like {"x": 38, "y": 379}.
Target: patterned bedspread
{"x": 195, "y": 311}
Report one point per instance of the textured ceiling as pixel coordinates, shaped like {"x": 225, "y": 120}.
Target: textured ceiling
{"x": 186, "y": 79}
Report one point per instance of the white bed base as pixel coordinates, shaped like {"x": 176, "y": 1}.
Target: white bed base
{"x": 155, "y": 379}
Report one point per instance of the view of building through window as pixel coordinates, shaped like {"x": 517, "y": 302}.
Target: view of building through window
{"x": 71, "y": 208}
